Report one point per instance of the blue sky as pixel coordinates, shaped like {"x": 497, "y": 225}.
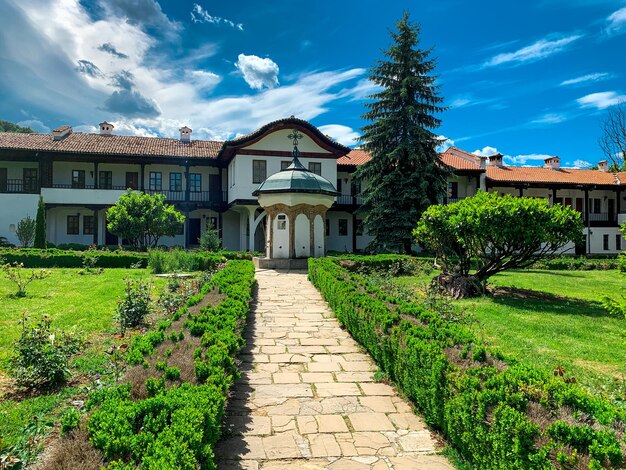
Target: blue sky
{"x": 529, "y": 79}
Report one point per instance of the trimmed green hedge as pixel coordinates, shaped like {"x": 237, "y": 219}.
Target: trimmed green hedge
{"x": 55, "y": 258}
{"x": 177, "y": 427}
{"x": 496, "y": 413}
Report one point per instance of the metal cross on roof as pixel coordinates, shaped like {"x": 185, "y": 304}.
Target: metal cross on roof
{"x": 295, "y": 135}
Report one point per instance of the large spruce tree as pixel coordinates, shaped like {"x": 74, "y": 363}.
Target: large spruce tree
{"x": 405, "y": 174}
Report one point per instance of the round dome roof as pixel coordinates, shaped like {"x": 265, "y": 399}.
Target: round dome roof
{"x": 296, "y": 179}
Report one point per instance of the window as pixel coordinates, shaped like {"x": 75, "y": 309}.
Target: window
{"x": 259, "y": 171}
{"x": 453, "y": 190}
{"x": 327, "y": 227}
{"x": 132, "y": 180}
{"x": 356, "y": 187}
{"x": 30, "y": 180}
{"x": 284, "y": 164}
{"x": 559, "y": 201}
{"x": 343, "y": 227}
{"x": 338, "y": 184}
{"x": 156, "y": 181}
{"x": 195, "y": 182}
{"x": 106, "y": 180}
{"x": 315, "y": 167}
{"x": 359, "y": 228}
{"x": 596, "y": 206}
{"x": 618, "y": 242}
{"x": 88, "y": 225}
{"x": 605, "y": 241}
{"x": 176, "y": 181}
{"x": 282, "y": 222}
{"x": 72, "y": 224}
{"x": 78, "y": 179}
{"x": 3, "y": 180}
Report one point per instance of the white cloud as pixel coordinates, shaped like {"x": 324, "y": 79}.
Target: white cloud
{"x": 364, "y": 88}
{"x": 460, "y": 102}
{"x": 35, "y": 125}
{"x": 550, "y": 118}
{"x": 536, "y": 51}
{"x": 581, "y": 164}
{"x": 200, "y": 15}
{"x": 485, "y": 151}
{"x": 592, "y": 77}
{"x": 258, "y": 72}
{"x": 616, "y": 22}
{"x": 527, "y": 159}
{"x": 343, "y": 134}
{"x": 445, "y": 143}
{"x": 601, "y": 100}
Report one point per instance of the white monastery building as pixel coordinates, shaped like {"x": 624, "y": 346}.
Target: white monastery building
{"x": 259, "y": 189}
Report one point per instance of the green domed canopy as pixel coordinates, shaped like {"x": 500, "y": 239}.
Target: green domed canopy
{"x": 296, "y": 179}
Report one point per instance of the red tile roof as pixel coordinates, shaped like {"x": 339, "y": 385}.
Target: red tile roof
{"x": 78, "y": 142}
{"x": 460, "y": 159}
{"x": 354, "y": 157}
{"x": 516, "y": 174}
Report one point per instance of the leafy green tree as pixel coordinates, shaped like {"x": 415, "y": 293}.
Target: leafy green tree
{"x": 143, "y": 219}
{"x": 6, "y": 126}
{"x": 40, "y": 226}
{"x": 25, "y": 231}
{"x": 496, "y": 233}
{"x": 405, "y": 175}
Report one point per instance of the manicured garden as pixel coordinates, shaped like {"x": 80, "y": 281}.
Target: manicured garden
{"x": 551, "y": 319}
{"x": 490, "y": 387}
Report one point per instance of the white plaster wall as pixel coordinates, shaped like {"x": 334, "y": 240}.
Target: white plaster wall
{"x": 80, "y": 196}
{"x": 230, "y": 230}
{"x": 302, "y": 235}
{"x": 118, "y": 172}
{"x": 280, "y": 141}
{"x": 15, "y": 170}
{"x": 14, "y": 208}
{"x": 280, "y": 242}
{"x": 318, "y": 234}
{"x": 362, "y": 241}
{"x": 334, "y": 241}
{"x": 597, "y": 240}
{"x": 62, "y": 172}
{"x": 56, "y": 224}
{"x": 293, "y": 199}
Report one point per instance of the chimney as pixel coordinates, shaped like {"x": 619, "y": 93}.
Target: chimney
{"x": 495, "y": 160}
{"x": 61, "y": 133}
{"x": 106, "y": 128}
{"x": 554, "y": 163}
{"x": 603, "y": 166}
{"x": 483, "y": 162}
{"x": 185, "y": 134}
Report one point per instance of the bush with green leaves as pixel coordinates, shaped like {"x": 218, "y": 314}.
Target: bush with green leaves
{"x": 135, "y": 306}
{"x": 143, "y": 219}
{"x": 40, "y": 225}
{"x": 496, "y": 412}
{"x": 41, "y": 354}
{"x": 496, "y": 233}
{"x": 22, "y": 277}
{"x": 210, "y": 239}
{"x": 177, "y": 426}
{"x": 56, "y": 258}
{"x": 70, "y": 419}
{"x": 25, "y": 231}
{"x": 178, "y": 260}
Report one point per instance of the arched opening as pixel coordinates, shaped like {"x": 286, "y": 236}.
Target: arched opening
{"x": 319, "y": 236}
{"x": 302, "y": 241}
{"x": 259, "y": 236}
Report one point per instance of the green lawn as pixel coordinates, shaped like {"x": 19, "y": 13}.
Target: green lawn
{"x": 85, "y": 301}
{"x": 70, "y": 299}
{"x": 551, "y": 319}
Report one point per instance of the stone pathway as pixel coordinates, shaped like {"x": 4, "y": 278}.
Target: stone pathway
{"x": 307, "y": 397}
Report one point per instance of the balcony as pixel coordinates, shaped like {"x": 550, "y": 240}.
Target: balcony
{"x": 601, "y": 219}
{"x": 452, "y": 200}
{"x": 19, "y": 186}
{"x": 349, "y": 200}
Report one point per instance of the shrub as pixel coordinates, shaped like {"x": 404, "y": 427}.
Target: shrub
{"x": 177, "y": 260}
{"x": 134, "y": 306}
{"x": 41, "y": 355}
{"x": 25, "y": 231}
{"x": 495, "y": 412}
{"x": 210, "y": 239}
{"x": 40, "y": 225}
{"x": 53, "y": 257}
{"x": 17, "y": 275}
{"x": 69, "y": 420}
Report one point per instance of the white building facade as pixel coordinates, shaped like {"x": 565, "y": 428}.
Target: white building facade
{"x": 81, "y": 175}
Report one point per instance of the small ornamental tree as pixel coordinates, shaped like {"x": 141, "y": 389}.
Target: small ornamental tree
{"x": 143, "y": 218}
{"x": 496, "y": 233}
{"x": 25, "y": 231}
{"x": 40, "y": 226}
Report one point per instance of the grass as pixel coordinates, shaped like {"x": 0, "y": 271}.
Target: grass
{"x": 553, "y": 319}
{"x": 86, "y": 302}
